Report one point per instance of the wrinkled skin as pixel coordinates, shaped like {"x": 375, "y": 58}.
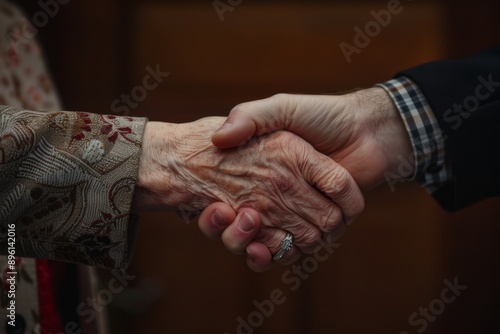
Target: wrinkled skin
{"x": 278, "y": 175}
{"x": 362, "y": 131}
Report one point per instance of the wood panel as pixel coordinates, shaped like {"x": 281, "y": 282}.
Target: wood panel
{"x": 260, "y": 50}
{"x": 387, "y": 258}
{"x": 392, "y": 260}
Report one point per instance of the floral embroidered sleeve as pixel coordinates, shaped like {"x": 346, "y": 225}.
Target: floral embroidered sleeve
{"x": 67, "y": 180}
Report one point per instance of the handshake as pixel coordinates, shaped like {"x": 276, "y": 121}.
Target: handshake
{"x": 278, "y": 175}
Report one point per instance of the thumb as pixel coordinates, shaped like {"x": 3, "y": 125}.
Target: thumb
{"x": 235, "y": 131}
{"x": 250, "y": 119}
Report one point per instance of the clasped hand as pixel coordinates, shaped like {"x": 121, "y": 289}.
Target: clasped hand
{"x": 305, "y": 181}
{"x": 277, "y": 183}
{"x": 362, "y": 131}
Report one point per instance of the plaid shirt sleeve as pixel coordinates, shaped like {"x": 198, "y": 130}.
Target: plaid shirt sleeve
{"x": 423, "y": 128}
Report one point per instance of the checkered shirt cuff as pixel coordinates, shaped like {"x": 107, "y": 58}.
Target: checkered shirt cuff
{"x": 423, "y": 128}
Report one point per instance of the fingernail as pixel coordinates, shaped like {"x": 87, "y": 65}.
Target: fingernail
{"x": 250, "y": 256}
{"x": 246, "y": 223}
{"x": 224, "y": 127}
{"x": 218, "y": 219}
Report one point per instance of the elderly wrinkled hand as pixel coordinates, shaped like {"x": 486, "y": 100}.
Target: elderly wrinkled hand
{"x": 278, "y": 175}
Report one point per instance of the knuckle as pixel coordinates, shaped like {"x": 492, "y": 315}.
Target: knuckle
{"x": 345, "y": 192}
{"x": 284, "y": 142}
{"x": 309, "y": 237}
{"x": 280, "y": 96}
{"x": 287, "y": 136}
{"x": 339, "y": 180}
{"x": 331, "y": 220}
{"x": 280, "y": 182}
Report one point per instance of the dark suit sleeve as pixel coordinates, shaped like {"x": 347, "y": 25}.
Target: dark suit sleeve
{"x": 465, "y": 97}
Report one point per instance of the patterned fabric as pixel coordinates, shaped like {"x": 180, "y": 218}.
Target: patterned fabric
{"x": 426, "y": 136}
{"x": 66, "y": 177}
{"x": 66, "y": 180}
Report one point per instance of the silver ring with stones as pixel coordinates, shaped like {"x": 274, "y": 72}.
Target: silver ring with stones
{"x": 286, "y": 245}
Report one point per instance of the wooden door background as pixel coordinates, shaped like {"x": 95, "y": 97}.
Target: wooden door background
{"x": 396, "y": 256}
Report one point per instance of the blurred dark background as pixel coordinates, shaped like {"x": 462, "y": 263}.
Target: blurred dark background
{"x": 396, "y": 256}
